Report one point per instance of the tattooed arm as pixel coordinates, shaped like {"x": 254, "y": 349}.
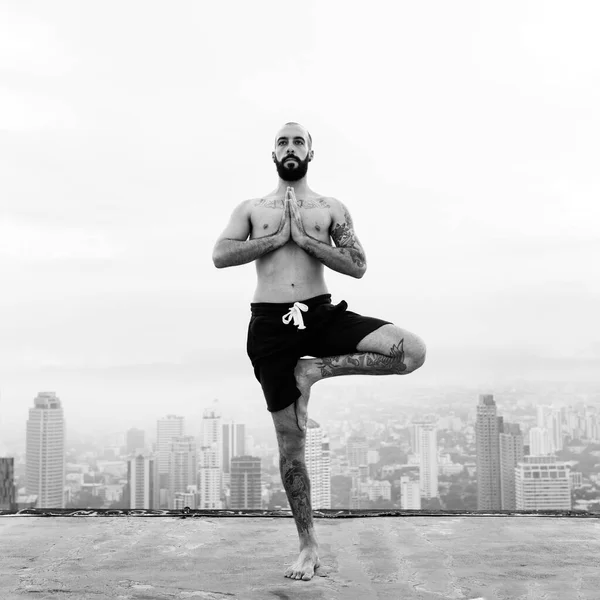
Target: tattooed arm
{"x": 348, "y": 257}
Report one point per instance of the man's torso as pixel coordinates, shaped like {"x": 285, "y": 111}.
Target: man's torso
{"x": 289, "y": 274}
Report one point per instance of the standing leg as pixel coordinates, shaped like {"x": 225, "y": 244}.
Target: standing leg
{"x": 292, "y": 467}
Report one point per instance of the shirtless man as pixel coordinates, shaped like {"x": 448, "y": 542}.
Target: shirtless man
{"x": 292, "y": 315}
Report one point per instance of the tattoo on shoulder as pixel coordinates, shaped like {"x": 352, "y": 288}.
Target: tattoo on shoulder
{"x": 348, "y": 217}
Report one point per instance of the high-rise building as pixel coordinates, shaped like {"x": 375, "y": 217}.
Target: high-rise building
{"x": 487, "y": 429}
{"x": 357, "y": 449}
{"x": 512, "y": 451}
{"x": 245, "y": 483}
{"x": 543, "y": 415}
{"x": 556, "y": 433}
{"x": 182, "y": 466}
{"x": 170, "y": 427}
{"x": 8, "y": 500}
{"x": 136, "y": 441}
{"x": 234, "y": 444}
{"x": 425, "y": 435}
{"x": 210, "y": 475}
{"x": 540, "y": 442}
{"x": 410, "y": 493}
{"x": 542, "y": 483}
{"x": 45, "y": 454}
{"x": 143, "y": 480}
{"x": 318, "y": 465}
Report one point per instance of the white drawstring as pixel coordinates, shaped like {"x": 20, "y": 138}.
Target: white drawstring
{"x": 295, "y": 314}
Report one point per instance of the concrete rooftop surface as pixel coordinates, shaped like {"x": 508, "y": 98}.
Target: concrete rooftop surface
{"x": 447, "y": 556}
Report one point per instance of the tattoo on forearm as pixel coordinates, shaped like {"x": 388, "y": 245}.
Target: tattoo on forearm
{"x": 365, "y": 363}
{"x": 294, "y": 476}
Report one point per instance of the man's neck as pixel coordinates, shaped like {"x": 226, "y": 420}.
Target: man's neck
{"x": 300, "y": 187}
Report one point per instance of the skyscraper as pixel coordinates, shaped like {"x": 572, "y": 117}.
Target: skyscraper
{"x": 45, "y": 454}
{"x": 410, "y": 493}
{"x": 135, "y": 440}
{"x": 245, "y": 483}
{"x": 425, "y": 435}
{"x": 318, "y": 465}
{"x": 487, "y": 429}
{"x": 540, "y": 442}
{"x": 168, "y": 428}
{"x": 143, "y": 480}
{"x": 7, "y": 484}
{"x": 356, "y": 450}
{"x": 182, "y": 466}
{"x": 210, "y": 476}
{"x": 234, "y": 444}
{"x": 512, "y": 451}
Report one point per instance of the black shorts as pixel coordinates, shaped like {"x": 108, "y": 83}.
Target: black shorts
{"x": 274, "y": 347}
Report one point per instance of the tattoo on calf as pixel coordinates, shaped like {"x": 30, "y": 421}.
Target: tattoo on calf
{"x": 365, "y": 363}
{"x": 297, "y": 486}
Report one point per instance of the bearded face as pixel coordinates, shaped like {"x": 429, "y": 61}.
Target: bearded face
{"x": 291, "y": 168}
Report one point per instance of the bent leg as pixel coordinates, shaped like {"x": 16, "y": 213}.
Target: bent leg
{"x": 294, "y": 476}
{"x": 389, "y": 350}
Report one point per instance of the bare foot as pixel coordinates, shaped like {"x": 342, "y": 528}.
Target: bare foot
{"x": 303, "y": 383}
{"x": 306, "y": 565}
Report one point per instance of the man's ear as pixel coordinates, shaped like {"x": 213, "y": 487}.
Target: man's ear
{"x": 311, "y": 155}
{"x": 273, "y": 156}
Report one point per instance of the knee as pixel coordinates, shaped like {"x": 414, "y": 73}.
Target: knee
{"x": 417, "y": 355}
{"x": 290, "y": 438}
{"x": 291, "y": 443}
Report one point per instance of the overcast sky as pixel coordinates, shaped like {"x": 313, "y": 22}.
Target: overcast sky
{"x": 463, "y": 137}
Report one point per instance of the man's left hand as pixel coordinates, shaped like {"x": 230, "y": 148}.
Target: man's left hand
{"x": 297, "y": 226}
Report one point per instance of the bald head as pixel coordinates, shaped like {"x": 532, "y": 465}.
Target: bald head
{"x": 291, "y": 129}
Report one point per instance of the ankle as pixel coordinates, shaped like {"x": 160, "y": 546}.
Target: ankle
{"x": 308, "y": 542}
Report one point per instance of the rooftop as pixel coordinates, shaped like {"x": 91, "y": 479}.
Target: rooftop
{"x": 212, "y": 555}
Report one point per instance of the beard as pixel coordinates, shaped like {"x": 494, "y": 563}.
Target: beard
{"x": 292, "y": 172}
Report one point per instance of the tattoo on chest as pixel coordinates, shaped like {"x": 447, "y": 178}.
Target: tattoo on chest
{"x": 303, "y": 203}
{"x": 269, "y": 203}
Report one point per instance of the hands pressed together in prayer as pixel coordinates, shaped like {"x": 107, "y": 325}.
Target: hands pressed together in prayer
{"x": 291, "y": 225}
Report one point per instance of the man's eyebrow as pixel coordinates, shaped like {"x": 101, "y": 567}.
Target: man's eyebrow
{"x": 297, "y": 137}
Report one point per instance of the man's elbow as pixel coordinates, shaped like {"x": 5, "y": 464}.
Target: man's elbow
{"x": 217, "y": 258}
{"x": 360, "y": 271}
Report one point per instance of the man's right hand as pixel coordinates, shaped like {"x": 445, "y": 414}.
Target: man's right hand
{"x": 284, "y": 232}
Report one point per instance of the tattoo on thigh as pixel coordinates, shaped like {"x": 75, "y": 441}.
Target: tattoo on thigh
{"x": 297, "y": 486}
{"x": 365, "y": 363}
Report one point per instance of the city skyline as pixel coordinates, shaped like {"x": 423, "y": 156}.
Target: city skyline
{"x": 510, "y": 474}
